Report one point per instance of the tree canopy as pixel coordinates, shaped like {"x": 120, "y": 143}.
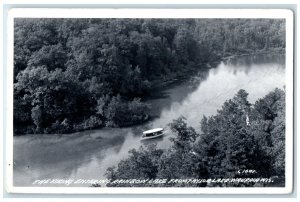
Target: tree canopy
{"x": 66, "y": 70}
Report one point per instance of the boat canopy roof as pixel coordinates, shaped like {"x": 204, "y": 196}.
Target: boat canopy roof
{"x": 153, "y": 130}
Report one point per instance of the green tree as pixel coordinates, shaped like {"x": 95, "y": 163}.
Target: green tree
{"x": 122, "y": 113}
{"x": 52, "y": 57}
{"x": 269, "y": 129}
{"x": 141, "y": 164}
{"x": 53, "y": 96}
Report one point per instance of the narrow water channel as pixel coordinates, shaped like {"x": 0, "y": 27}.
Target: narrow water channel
{"x": 87, "y": 155}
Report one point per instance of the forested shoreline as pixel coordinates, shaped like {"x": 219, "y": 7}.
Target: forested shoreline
{"x": 80, "y": 74}
{"x": 239, "y": 137}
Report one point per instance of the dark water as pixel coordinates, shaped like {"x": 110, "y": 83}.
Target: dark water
{"x": 87, "y": 155}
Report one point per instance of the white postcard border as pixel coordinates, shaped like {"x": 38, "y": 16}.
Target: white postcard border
{"x": 151, "y": 13}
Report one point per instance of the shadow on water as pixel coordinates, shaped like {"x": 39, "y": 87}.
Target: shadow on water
{"x": 178, "y": 91}
{"x": 259, "y": 59}
{"x": 52, "y": 155}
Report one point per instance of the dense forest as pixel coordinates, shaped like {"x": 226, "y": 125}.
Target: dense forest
{"x": 240, "y": 136}
{"x": 78, "y": 74}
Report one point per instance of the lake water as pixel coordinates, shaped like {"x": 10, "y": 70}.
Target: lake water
{"x": 86, "y": 155}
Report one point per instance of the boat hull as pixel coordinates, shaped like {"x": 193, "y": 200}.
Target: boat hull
{"x": 152, "y": 137}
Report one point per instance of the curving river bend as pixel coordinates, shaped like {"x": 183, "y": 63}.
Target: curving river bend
{"x": 87, "y": 155}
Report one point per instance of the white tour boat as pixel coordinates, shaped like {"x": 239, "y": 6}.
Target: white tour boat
{"x": 153, "y": 133}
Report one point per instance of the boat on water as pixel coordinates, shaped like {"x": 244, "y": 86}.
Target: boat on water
{"x": 153, "y": 133}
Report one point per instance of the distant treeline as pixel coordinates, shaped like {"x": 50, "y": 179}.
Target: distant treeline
{"x": 239, "y": 137}
{"x": 77, "y": 74}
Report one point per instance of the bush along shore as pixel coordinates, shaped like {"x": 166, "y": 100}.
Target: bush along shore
{"x": 80, "y": 74}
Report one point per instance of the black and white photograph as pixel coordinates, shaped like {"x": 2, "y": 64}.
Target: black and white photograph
{"x": 146, "y": 101}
